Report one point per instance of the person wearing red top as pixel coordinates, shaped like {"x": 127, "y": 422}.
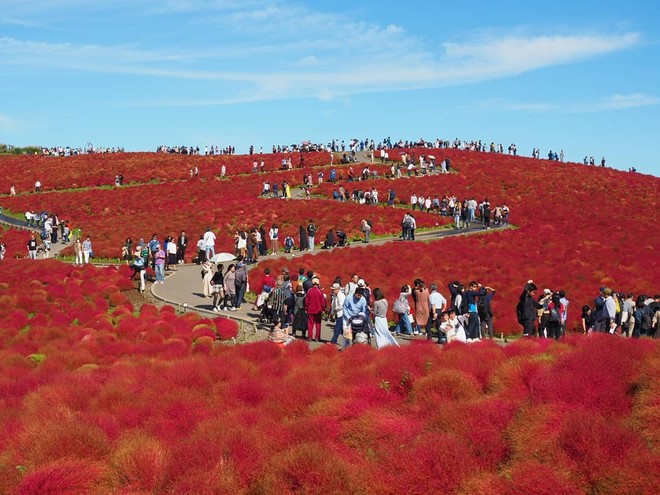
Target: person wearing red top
{"x": 314, "y": 305}
{"x": 266, "y": 285}
{"x": 555, "y": 319}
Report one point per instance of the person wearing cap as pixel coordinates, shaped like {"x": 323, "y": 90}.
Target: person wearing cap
{"x": 527, "y": 307}
{"x": 314, "y": 305}
{"x": 337, "y": 310}
{"x": 608, "y": 319}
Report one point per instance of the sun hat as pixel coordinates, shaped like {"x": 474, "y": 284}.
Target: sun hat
{"x": 335, "y": 286}
{"x": 315, "y": 281}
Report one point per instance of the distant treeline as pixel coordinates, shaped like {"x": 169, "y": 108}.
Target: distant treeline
{"x": 15, "y": 150}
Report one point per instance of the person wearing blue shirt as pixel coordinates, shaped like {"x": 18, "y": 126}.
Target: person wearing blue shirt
{"x": 475, "y": 290}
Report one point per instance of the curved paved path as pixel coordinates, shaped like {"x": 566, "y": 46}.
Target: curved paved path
{"x": 184, "y": 286}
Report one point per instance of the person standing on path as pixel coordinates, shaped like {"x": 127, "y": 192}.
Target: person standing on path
{"x": 87, "y": 249}
{"x": 366, "y": 228}
{"x": 274, "y": 238}
{"x": 240, "y": 282}
{"x": 314, "y": 305}
{"x": 32, "y": 246}
{"x": 311, "y": 233}
{"x": 382, "y": 332}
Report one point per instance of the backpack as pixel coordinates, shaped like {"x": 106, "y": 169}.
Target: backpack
{"x": 370, "y": 224}
{"x": 554, "y": 316}
{"x": 288, "y": 242}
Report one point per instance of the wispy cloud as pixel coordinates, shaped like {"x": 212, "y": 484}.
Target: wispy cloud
{"x": 607, "y": 104}
{"x": 7, "y": 123}
{"x": 269, "y": 50}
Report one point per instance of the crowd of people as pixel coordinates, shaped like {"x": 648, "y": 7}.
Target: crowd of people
{"x": 615, "y": 313}
{"x": 69, "y": 151}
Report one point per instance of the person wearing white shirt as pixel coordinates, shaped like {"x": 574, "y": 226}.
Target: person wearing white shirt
{"x": 209, "y": 243}
{"x": 437, "y": 304}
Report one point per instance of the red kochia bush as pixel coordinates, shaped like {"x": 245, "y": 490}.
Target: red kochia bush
{"x": 64, "y": 477}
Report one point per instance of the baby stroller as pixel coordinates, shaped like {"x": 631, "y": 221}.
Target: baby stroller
{"x": 342, "y": 239}
{"x": 361, "y": 329}
{"x": 266, "y": 310}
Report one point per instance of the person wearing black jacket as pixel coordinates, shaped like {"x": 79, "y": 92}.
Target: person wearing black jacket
{"x": 526, "y": 309}
{"x": 181, "y": 245}
{"x": 486, "y": 314}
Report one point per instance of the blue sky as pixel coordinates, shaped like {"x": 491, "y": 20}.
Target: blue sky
{"x": 577, "y": 76}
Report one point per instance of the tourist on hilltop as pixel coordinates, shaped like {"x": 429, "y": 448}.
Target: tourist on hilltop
{"x": 381, "y": 328}
{"x": 87, "y": 249}
{"x": 12, "y": 190}
{"x": 37, "y": 186}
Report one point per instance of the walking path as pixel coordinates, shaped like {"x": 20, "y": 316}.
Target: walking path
{"x": 15, "y": 223}
{"x": 183, "y": 287}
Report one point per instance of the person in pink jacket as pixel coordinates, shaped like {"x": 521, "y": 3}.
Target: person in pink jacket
{"x": 314, "y": 305}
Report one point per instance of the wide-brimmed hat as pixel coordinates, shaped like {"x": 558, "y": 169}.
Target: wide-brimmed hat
{"x": 315, "y": 281}
{"x": 335, "y": 286}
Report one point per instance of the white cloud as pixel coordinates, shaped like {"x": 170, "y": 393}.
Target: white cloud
{"x": 622, "y": 102}
{"x": 7, "y": 123}
{"x": 270, "y": 49}
{"x": 610, "y": 103}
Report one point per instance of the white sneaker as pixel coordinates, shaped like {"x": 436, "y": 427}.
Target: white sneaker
{"x": 215, "y": 308}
